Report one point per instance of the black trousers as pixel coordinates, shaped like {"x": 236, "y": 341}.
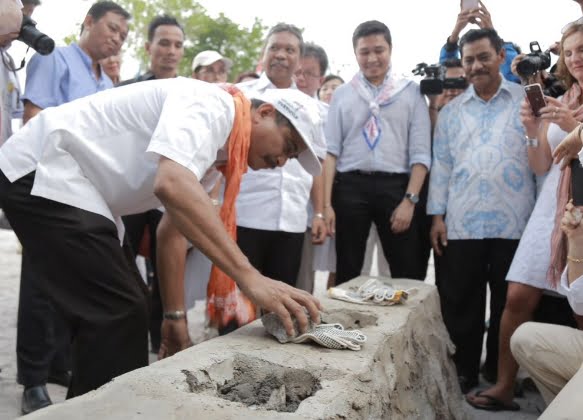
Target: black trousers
{"x": 467, "y": 266}
{"x": 360, "y": 199}
{"x": 43, "y": 341}
{"x": 275, "y": 254}
{"x": 90, "y": 280}
{"x": 135, "y": 225}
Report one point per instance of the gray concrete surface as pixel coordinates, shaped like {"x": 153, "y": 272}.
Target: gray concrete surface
{"x": 10, "y": 391}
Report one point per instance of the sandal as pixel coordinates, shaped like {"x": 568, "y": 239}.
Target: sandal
{"x": 493, "y": 404}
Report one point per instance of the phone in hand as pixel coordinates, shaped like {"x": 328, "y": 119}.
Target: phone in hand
{"x": 536, "y": 98}
{"x": 577, "y": 182}
{"x": 469, "y": 4}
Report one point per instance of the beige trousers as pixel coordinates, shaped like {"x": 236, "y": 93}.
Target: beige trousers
{"x": 553, "y": 356}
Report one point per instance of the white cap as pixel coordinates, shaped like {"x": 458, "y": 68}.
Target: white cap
{"x": 304, "y": 114}
{"x": 10, "y": 16}
{"x": 206, "y": 58}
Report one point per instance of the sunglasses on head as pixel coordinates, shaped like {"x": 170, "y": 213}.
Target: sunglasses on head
{"x": 570, "y": 24}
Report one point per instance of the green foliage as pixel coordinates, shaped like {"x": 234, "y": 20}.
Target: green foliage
{"x": 242, "y": 45}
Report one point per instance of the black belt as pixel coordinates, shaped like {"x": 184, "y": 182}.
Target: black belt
{"x": 375, "y": 173}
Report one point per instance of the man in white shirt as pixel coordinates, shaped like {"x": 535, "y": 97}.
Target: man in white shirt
{"x": 71, "y": 173}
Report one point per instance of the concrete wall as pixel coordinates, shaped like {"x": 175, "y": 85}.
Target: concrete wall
{"x": 404, "y": 371}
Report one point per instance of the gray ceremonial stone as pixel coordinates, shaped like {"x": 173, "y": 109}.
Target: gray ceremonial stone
{"x": 274, "y": 326}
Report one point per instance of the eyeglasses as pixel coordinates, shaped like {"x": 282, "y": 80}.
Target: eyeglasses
{"x": 570, "y": 24}
{"x": 210, "y": 70}
{"x": 306, "y": 74}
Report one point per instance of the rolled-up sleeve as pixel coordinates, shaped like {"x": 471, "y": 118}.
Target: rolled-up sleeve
{"x": 420, "y": 133}
{"x": 441, "y": 170}
{"x": 333, "y": 127}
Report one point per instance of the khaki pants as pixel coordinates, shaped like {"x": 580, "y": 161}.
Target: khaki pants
{"x": 553, "y": 355}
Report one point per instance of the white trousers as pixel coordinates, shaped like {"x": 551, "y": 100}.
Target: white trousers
{"x": 553, "y": 355}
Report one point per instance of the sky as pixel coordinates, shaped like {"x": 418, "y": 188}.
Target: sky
{"x": 419, "y": 27}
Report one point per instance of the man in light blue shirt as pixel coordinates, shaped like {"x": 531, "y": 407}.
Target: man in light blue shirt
{"x": 68, "y": 73}
{"x": 378, "y": 137}
{"x": 481, "y": 193}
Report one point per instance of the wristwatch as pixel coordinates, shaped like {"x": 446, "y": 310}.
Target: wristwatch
{"x": 413, "y": 198}
{"x": 174, "y": 315}
{"x": 531, "y": 142}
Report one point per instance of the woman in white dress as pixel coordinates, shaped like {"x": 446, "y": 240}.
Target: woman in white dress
{"x": 527, "y": 277}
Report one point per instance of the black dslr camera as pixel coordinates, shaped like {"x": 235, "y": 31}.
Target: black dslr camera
{"x": 435, "y": 81}
{"x": 34, "y": 38}
{"x": 534, "y": 62}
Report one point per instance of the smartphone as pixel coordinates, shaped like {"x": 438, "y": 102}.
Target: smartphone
{"x": 469, "y": 4}
{"x": 577, "y": 182}
{"x": 536, "y": 98}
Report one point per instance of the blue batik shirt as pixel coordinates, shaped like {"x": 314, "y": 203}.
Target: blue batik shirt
{"x": 62, "y": 76}
{"x": 480, "y": 178}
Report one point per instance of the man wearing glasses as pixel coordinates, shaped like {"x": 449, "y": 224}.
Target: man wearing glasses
{"x": 211, "y": 66}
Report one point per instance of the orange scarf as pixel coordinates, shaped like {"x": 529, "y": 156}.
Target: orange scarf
{"x": 225, "y": 302}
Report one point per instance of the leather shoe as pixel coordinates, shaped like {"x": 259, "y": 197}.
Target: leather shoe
{"x": 34, "y": 398}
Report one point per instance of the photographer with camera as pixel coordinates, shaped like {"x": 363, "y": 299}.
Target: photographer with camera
{"x": 481, "y": 17}
{"x": 68, "y": 73}
{"x": 535, "y": 269}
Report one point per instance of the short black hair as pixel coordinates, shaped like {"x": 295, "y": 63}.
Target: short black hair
{"x": 100, "y": 8}
{"x": 474, "y": 35}
{"x": 159, "y": 21}
{"x": 332, "y": 77}
{"x": 451, "y": 63}
{"x": 33, "y": 2}
{"x": 371, "y": 27}
{"x": 287, "y": 27}
{"x": 314, "y": 50}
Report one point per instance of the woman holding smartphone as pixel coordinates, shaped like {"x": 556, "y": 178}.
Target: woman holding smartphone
{"x": 530, "y": 273}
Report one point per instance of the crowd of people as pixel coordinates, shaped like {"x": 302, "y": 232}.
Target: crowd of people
{"x": 238, "y": 193}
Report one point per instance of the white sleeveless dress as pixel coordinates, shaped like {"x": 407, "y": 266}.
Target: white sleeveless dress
{"x": 533, "y": 256}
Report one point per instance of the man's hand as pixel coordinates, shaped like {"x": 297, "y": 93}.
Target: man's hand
{"x": 330, "y": 218}
{"x": 402, "y": 216}
{"x": 438, "y": 234}
{"x": 319, "y": 230}
{"x": 282, "y": 299}
{"x": 174, "y": 337}
{"x": 568, "y": 149}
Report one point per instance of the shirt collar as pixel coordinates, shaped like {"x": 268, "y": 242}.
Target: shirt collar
{"x": 265, "y": 83}
{"x": 374, "y": 89}
{"x": 470, "y": 92}
{"x": 88, "y": 62}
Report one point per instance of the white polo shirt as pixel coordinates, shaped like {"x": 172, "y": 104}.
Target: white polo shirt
{"x": 275, "y": 199}
{"x": 100, "y": 153}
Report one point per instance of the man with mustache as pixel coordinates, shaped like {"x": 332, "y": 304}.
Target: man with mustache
{"x": 271, "y": 213}
{"x": 481, "y": 194}
{"x": 165, "y": 46}
{"x": 70, "y": 174}
{"x": 67, "y": 74}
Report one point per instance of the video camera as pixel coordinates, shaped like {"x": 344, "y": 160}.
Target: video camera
{"x": 435, "y": 81}
{"x": 534, "y": 62}
{"x": 34, "y": 38}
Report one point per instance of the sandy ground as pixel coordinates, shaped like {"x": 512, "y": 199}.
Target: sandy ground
{"x": 10, "y": 392}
